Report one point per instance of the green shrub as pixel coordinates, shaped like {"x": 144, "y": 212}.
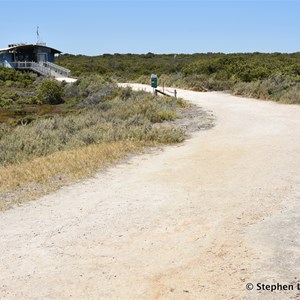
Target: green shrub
{"x": 51, "y": 92}
{"x": 14, "y": 78}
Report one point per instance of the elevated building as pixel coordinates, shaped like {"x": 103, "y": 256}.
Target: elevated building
{"x": 35, "y": 57}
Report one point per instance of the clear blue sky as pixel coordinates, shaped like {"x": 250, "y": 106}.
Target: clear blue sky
{"x": 97, "y": 27}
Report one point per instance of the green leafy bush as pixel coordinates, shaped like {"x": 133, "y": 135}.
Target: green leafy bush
{"x": 51, "y": 92}
{"x": 14, "y": 78}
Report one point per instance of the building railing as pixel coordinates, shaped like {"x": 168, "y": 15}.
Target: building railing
{"x": 43, "y": 68}
{"x": 57, "y": 69}
{"x": 32, "y": 66}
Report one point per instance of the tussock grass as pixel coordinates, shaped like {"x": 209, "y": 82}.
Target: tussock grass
{"x": 30, "y": 179}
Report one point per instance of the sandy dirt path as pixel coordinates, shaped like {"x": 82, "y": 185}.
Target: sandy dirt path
{"x": 195, "y": 221}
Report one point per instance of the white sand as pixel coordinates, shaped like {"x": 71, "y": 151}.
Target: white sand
{"x": 66, "y": 79}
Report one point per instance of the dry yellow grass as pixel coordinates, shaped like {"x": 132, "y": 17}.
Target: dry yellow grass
{"x": 26, "y": 181}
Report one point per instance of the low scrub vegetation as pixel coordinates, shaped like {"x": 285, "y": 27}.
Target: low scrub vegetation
{"x": 277, "y": 88}
{"x": 46, "y": 127}
{"x": 121, "y": 115}
{"x": 16, "y": 79}
{"x": 98, "y": 123}
{"x": 273, "y": 76}
{"x": 50, "y": 92}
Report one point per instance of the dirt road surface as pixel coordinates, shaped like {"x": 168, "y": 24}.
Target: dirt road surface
{"x": 198, "y": 220}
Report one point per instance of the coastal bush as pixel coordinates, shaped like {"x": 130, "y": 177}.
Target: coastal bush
{"x": 128, "y": 116}
{"x": 277, "y": 88}
{"x": 14, "y": 78}
{"x": 51, "y": 92}
{"x": 253, "y": 72}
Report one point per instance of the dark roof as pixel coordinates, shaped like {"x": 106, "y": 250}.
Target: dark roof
{"x": 26, "y": 46}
